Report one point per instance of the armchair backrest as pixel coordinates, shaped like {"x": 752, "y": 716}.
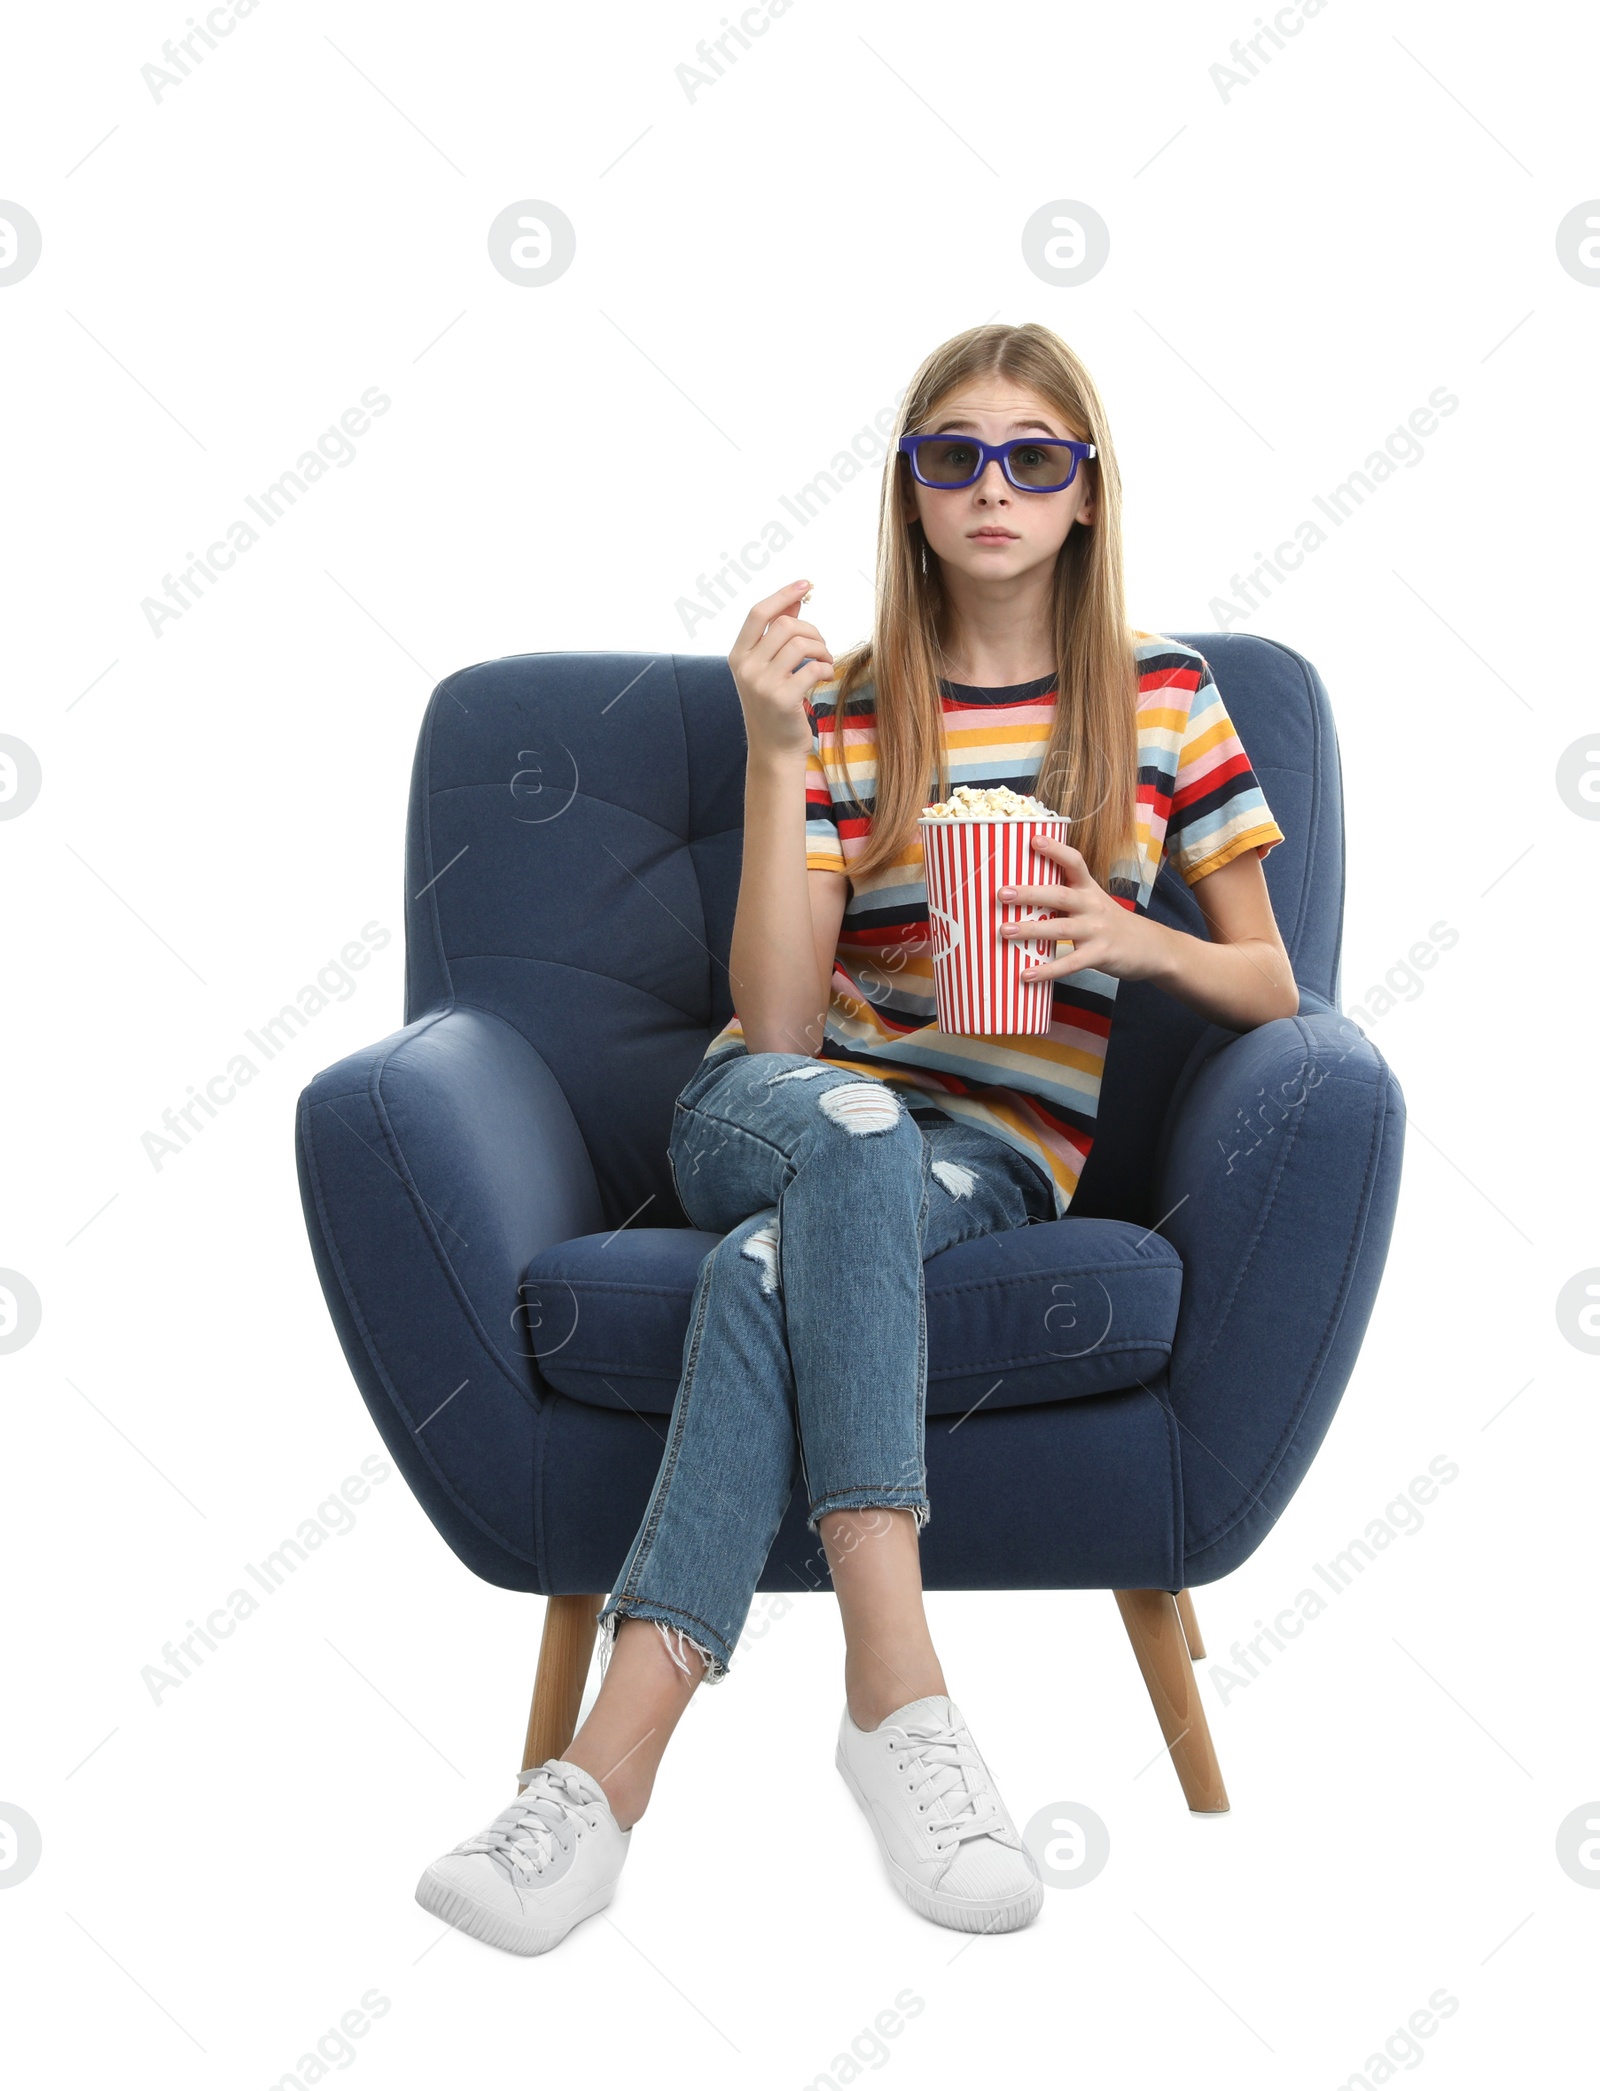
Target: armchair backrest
{"x": 572, "y": 866}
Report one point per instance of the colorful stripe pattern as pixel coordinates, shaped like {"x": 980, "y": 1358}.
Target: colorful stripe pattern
{"x": 1198, "y": 803}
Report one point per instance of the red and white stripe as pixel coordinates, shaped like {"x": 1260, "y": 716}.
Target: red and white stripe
{"x": 978, "y": 973}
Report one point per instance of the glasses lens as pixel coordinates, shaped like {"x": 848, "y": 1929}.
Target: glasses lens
{"x": 947, "y": 460}
{"x": 1042, "y": 466}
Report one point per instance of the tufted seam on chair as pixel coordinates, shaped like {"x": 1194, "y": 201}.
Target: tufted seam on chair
{"x": 1112, "y": 1349}
{"x": 696, "y": 839}
{"x": 1176, "y": 1550}
{"x": 444, "y": 791}
{"x": 1081, "y": 1270}
{"x": 632, "y": 1286}
{"x": 642, "y": 1285}
{"x": 688, "y": 767}
{"x": 541, "y": 1507}
{"x": 1175, "y": 1466}
{"x": 1319, "y": 727}
{"x": 1381, "y": 1093}
{"x": 600, "y": 1367}
{"x": 692, "y": 838}
{"x": 431, "y": 890}
{"x": 562, "y": 965}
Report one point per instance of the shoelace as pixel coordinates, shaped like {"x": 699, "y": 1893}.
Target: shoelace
{"x": 524, "y": 1836}
{"x": 971, "y": 1807}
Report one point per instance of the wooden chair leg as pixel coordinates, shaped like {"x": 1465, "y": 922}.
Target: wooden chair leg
{"x": 1155, "y": 1628}
{"x": 1191, "y": 1626}
{"x": 564, "y": 1652}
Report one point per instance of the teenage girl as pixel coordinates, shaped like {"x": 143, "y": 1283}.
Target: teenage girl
{"x": 835, "y": 1139}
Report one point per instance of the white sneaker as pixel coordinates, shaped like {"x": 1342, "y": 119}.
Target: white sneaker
{"x": 947, "y": 1842}
{"x": 545, "y": 1863}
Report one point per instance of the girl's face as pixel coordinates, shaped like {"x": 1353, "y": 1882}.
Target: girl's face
{"x": 991, "y": 530}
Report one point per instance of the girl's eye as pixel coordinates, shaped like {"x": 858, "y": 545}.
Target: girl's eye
{"x": 951, "y": 460}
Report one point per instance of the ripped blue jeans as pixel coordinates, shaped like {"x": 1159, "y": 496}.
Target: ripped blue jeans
{"x": 805, "y": 1358}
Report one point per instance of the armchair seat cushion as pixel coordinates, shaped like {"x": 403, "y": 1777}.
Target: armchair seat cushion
{"x": 1040, "y": 1313}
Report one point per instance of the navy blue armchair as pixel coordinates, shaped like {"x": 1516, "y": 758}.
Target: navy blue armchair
{"x": 1123, "y": 1399}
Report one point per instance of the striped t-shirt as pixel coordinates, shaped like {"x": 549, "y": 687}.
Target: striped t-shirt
{"x": 1198, "y": 803}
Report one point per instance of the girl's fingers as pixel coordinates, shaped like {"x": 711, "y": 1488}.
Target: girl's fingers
{"x": 1068, "y": 961}
{"x": 795, "y": 656}
{"x": 771, "y": 644}
{"x": 1055, "y": 851}
{"x": 795, "y": 648}
{"x": 761, "y": 614}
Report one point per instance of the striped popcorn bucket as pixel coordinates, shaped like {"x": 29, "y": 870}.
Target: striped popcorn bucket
{"x": 977, "y": 974}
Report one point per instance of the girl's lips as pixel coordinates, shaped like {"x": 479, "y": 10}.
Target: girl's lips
{"x": 994, "y": 537}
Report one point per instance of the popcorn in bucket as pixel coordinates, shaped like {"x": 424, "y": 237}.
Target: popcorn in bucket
{"x": 974, "y": 842}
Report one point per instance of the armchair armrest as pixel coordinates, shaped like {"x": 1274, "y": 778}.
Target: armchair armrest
{"x": 433, "y": 1165}
{"x": 1277, "y": 1183}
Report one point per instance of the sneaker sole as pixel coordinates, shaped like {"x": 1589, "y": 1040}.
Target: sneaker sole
{"x": 442, "y": 1900}
{"x": 948, "y": 1910}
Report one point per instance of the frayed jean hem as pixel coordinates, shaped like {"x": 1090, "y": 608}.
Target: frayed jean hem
{"x": 870, "y": 1499}
{"x": 670, "y": 1624}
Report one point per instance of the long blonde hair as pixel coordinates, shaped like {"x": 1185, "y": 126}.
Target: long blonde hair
{"x": 1089, "y": 767}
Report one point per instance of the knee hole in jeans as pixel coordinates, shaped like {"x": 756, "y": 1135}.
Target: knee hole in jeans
{"x": 861, "y": 1107}
{"x": 762, "y": 1250}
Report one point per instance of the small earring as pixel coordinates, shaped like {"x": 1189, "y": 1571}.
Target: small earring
{"x": 922, "y": 554}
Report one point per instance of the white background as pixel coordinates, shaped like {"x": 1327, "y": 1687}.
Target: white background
{"x": 758, "y": 271}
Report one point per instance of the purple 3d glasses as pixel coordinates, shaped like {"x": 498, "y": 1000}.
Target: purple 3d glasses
{"x": 1033, "y": 464}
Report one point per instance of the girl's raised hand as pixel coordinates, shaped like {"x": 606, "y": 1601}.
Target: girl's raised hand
{"x": 766, "y": 659}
